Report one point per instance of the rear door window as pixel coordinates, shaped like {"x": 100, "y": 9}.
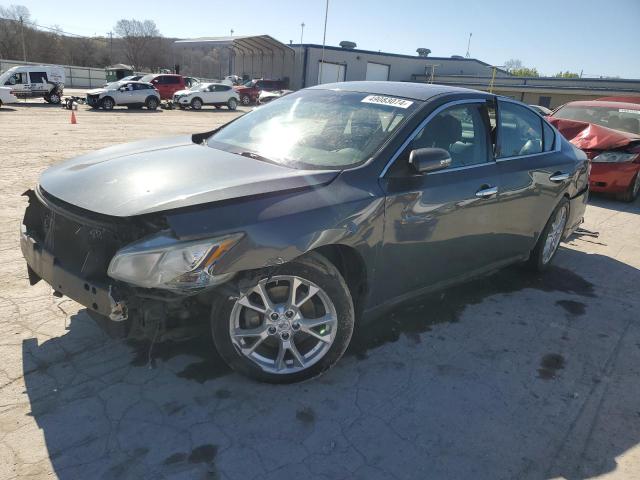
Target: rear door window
{"x": 38, "y": 77}
{"x": 520, "y": 131}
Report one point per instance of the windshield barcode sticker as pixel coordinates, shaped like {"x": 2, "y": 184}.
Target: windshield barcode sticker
{"x": 626, "y": 110}
{"x": 390, "y": 101}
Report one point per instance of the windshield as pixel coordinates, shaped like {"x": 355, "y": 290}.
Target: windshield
{"x": 623, "y": 118}
{"x": 198, "y": 87}
{"x": 316, "y": 128}
{"x": 148, "y": 78}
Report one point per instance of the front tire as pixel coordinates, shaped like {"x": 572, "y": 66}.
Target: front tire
{"x": 232, "y": 104}
{"x": 196, "y": 104}
{"x": 550, "y": 238}
{"x": 288, "y": 327}
{"x": 633, "y": 192}
{"x": 108, "y": 103}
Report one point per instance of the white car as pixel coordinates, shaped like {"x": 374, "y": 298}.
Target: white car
{"x": 216, "y": 94}
{"x": 6, "y": 96}
{"x": 129, "y": 94}
{"x": 46, "y": 81}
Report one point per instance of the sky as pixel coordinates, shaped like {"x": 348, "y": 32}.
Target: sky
{"x": 597, "y": 38}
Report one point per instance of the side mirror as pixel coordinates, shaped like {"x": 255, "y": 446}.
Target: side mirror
{"x": 424, "y": 160}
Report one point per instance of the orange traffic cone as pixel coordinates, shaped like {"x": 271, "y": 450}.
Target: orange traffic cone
{"x": 73, "y": 118}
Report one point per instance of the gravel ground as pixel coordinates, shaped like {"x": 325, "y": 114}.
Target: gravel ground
{"x": 511, "y": 376}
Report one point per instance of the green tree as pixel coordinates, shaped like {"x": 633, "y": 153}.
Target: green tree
{"x": 566, "y": 74}
{"x": 524, "y": 72}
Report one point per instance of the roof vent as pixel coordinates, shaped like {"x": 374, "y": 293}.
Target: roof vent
{"x": 423, "y": 52}
{"x": 457, "y": 57}
{"x": 348, "y": 45}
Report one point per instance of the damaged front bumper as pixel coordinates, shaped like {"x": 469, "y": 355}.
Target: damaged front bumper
{"x": 43, "y": 265}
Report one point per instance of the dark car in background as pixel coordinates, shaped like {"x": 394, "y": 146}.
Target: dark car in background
{"x": 608, "y": 130}
{"x": 288, "y": 224}
{"x": 250, "y": 91}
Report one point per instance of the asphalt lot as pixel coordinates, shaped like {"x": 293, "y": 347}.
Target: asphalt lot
{"x": 511, "y": 376}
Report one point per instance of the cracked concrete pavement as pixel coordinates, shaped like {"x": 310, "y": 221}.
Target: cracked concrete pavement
{"x": 510, "y": 376}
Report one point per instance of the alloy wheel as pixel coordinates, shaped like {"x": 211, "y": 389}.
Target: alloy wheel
{"x": 555, "y": 234}
{"x": 284, "y": 324}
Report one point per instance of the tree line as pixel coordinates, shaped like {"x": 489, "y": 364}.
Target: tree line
{"x": 137, "y": 43}
{"x": 516, "y": 68}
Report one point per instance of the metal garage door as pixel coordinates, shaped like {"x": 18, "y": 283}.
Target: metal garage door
{"x": 377, "y": 71}
{"x": 330, "y": 72}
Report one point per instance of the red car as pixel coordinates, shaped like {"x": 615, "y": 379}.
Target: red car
{"x": 608, "y": 131}
{"x": 166, "y": 83}
{"x": 249, "y": 91}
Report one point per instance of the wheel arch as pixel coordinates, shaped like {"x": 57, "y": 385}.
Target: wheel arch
{"x": 353, "y": 269}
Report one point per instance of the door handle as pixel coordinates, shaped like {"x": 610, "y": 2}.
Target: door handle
{"x": 487, "y": 192}
{"x": 559, "y": 177}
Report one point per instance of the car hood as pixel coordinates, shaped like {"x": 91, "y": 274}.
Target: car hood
{"x": 589, "y": 136}
{"x": 97, "y": 91}
{"x": 155, "y": 175}
{"x": 182, "y": 92}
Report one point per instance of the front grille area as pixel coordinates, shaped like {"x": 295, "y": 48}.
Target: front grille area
{"x": 93, "y": 100}
{"x": 82, "y": 247}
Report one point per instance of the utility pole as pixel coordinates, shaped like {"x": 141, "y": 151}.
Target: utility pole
{"x": 110, "y": 47}
{"x": 232, "y": 32}
{"x": 324, "y": 39}
{"x": 433, "y": 71}
{"x": 469, "y": 45}
{"x": 302, "y": 73}
{"x": 493, "y": 77}
{"x": 24, "y": 50}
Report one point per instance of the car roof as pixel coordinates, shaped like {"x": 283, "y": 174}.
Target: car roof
{"x": 604, "y": 104}
{"x": 415, "y": 91}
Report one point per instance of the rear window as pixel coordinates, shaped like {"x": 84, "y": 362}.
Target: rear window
{"x": 170, "y": 80}
{"x": 617, "y": 118}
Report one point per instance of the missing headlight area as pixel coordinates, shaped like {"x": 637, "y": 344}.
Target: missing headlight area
{"x": 71, "y": 250}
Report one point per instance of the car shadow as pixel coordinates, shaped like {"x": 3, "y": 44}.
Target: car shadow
{"x": 610, "y": 202}
{"x": 120, "y": 109}
{"x": 514, "y": 375}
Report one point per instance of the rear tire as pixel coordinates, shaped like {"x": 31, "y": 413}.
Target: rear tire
{"x": 298, "y": 339}
{"x": 550, "y": 238}
{"x": 633, "y": 192}
{"x": 152, "y": 103}
{"x": 245, "y": 100}
{"x": 54, "y": 98}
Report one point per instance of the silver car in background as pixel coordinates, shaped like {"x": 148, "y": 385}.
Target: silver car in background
{"x": 200, "y": 94}
{"x": 131, "y": 94}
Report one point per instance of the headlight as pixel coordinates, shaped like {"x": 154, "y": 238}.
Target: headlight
{"x": 164, "y": 262}
{"x": 615, "y": 157}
